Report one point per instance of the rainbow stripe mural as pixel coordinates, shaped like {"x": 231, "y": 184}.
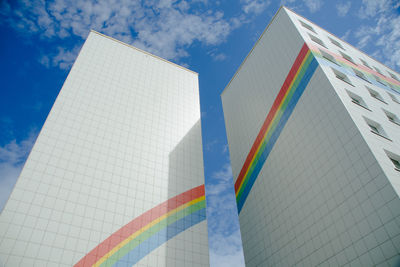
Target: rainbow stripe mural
{"x": 150, "y": 230}
{"x": 346, "y": 66}
{"x": 288, "y": 96}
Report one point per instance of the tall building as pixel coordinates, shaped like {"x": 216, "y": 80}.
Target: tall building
{"x": 314, "y": 137}
{"x": 115, "y": 177}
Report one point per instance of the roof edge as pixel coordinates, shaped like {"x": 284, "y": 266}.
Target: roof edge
{"x": 258, "y": 40}
{"x": 140, "y": 50}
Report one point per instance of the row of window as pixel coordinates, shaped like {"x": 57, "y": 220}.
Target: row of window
{"x": 358, "y": 73}
{"x": 375, "y": 127}
{"x": 344, "y": 55}
{"x": 341, "y": 76}
{"x": 356, "y": 99}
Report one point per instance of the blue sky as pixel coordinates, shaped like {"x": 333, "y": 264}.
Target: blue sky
{"x": 41, "y": 39}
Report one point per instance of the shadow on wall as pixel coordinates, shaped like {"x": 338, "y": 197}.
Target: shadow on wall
{"x": 185, "y": 172}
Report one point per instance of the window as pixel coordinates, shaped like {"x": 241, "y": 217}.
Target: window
{"x": 359, "y": 74}
{"x": 341, "y": 76}
{"x": 365, "y": 63}
{"x": 317, "y": 40}
{"x": 376, "y": 128}
{"x": 394, "y": 98}
{"x": 392, "y": 117}
{"x": 347, "y": 57}
{"x": 305, "y": 25}
{"x": 379, "y": 80}
{"x": 396, "y": 163}
{"x": 395, "y": 160}
{"x": 356, "y": 99}
{"x": 378, "y": 70}
{"x": 392, "y": 87}
{"x": 328, "y": 57}
{"x": 333, "y": 41}
{"x": 375, "y": 94}
{"x": 394, "y": 76}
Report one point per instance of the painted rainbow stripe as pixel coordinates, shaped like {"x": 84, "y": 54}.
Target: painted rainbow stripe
{"x": 290, "y": 93}
{"x": 145, "y": 233}
{"x": 346, "y": 67}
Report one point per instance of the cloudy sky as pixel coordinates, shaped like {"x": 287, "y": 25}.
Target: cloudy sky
{"x": 41, "y": 39}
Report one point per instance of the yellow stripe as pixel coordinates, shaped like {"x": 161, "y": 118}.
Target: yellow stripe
{"x": 276, "y": 113}
{"x": 143, "y": 229}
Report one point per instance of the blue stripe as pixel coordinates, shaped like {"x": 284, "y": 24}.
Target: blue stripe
{"x": 160, "y": 238}
{"x": 346, "y": 69}
{"x": 281, "y": 124}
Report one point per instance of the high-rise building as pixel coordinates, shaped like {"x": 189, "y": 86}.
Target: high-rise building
{"x": 115, "y": 177}
{"x": 314, "y": 137}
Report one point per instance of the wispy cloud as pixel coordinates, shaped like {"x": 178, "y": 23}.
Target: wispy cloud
{"x": 224, "y": 233}
{"x": 12, "y": 158}
{"x": 371, "y": 8}
{"x": 385, "y": 31}
{"x": 254, "y": 6}
{"x": 343, "y": 8}
{"x": 313, "y": 5}
{"x": 227, "y": 251}
{"x": 165, "y": 28}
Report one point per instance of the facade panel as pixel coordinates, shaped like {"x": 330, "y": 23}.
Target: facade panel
{"x": 116, "y": 174}
{"x": 314, "y": 186}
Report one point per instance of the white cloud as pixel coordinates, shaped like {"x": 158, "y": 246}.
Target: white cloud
{"x": 385, "y": 31}
{"x": 298, "y": 6}
{"x": 12, "y": 158}
{"x": 254, "y": 6}
{"x": 165, "y": 28}
{"x": 313, "y": 5}
{"x": 224, "y": 234}
{"x": 226, "y": 251}
{"x": 343, "y": 8}
{"x": 371, "y": 8}
{"x": 211, "y": 144}
{"x": 346, "y": 35}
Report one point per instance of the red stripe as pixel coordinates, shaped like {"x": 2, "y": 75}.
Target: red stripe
{"x": 271, "y": 114}
{"x": 104, "y": 247}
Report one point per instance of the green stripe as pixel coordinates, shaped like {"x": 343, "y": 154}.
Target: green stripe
{"x": 151, "y": 231}
{"x": 275, "y": 123}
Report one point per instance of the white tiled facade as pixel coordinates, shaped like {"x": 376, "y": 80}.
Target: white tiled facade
{"x": 123, "y": 136}
{"x": 328, "y": 193}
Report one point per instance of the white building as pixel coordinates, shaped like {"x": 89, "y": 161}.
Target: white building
{"x": 314, "y": 138}
{"x": 116, "y": 174}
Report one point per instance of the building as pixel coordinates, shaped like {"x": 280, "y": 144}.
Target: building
{"x": 314, "y": 138}
{"x": 116, "y": 174}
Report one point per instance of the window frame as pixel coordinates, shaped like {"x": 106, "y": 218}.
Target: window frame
{"x": 307, "y": 26}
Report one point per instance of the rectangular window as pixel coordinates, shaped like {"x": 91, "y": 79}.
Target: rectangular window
{"x": 396, "y": 163}
{"x": 328, "y": 57}
{"x": 394, "y": 76}
{"x": 394, "y": 159}
{"x": 341, "y": 76}
{"x": 347, "y": 57}
{"x": 394, "y": 98}
{"x": 376, "y": 128}
{"x": 392, "y": 117}
{"x": 375, "y": 94}
{"x": 356, "y": 99}
{"x": 305, "y": 25}
{"x": 365, "y": 63}
{"x": 378, "y": 70}
{"x": 392, "y": 86}
{"x": 317, "y": 40}
{"x": 333, "y": 41}
{"x": 361, "y": 75}
{"x": 379, "y": 80}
